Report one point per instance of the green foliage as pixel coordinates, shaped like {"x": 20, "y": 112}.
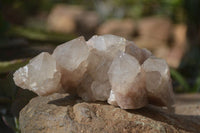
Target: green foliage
{"x": 9, "y": 66}
{"x": 184, "y": 86}
{"x": 196, "y": 87}
{"x": 39, "y": 35}
{"x": 140, "y": 8}
{"x": 4, "y": 25}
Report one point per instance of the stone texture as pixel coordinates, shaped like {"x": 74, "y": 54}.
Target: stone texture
{"x": 40, "y": 75}
{"x": 125, "y": 27}
{"x": 63, "y": 17}
{"x": 155, "y": 34}
{"x": 157, "y": 28}
{"x": 67, "y": 114}
{"x": 188, "y": 104}
{"x": 179, "y": 46}
{"x": 87, "y": 23}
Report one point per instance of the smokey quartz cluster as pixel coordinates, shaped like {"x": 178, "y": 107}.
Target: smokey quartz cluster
{"x": 104, "y": 68}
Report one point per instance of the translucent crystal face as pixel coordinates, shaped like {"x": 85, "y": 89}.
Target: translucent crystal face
{"x": 103, "y": 49}
{"x": 71, "y": 58}
{"x": 71, "y": 54}
{"x": 140, "y": 54}
{"x": 127, "y": 82}
{"x": 40, "y": 75}
{"x": 105, "y": 68}
{"x": 158, "y": 81}
{"x": 124, "y": 66}
{"x": 104, "y": 42}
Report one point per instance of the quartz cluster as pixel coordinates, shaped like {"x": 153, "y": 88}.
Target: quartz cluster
{"x": 104, "y": 68}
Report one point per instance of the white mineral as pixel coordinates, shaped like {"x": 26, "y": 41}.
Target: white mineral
{"x": 96, "y": 85}
{"x": 128, "y": 82}
{"x": 106, "y": 42}
{"x": 71, "y": 58}
{"x": 40, "y": 75}
{"x": 158, "y": 82}
{"x": 140, "y": 54}
{"x": 105, "y": 68}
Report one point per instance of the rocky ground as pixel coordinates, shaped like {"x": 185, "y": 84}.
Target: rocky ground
{"x": 61, "y": 113}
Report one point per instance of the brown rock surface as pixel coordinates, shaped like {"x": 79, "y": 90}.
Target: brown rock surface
{"x": 155, "y": 27}
{"x": 125, "y": 28}
{"x": 188, "y": 104}
{"x": 154, "y": 33}
{"x": 61, "y": 113}
{"x": 179, "y": 46}
{"x": 63, "y": 18}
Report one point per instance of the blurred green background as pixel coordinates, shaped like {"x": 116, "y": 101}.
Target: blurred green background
{"x": 169, "y": 28}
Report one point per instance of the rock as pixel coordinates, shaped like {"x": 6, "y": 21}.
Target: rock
{"x": 63, "y": 17}
{"x": 62, "y": 113}
{"x": 155, "y": 27}
{"x": 188, "y": 104}
{"x": 125, "y": 28}
{"x": 179, "y": 46}
{"x": 87, "y": 23}
{"x": 149, "y": 43}
{"x": 162, "y": 52}
{"x": 73, "y": 19}
{"x": 154, "y": 33}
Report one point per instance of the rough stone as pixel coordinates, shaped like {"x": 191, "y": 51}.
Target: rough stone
{"x": 63, "y": 17}
{"x": 87, "y": 23}
{"x": 157, "y": 28}
{"x": 125, "y": 27}
{"x": 179, "y": 46}
{"x": 66, "y": 114}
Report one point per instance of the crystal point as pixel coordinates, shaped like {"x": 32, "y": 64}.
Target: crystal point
{"x": 71, "y": 58}
{"x": 127, "y": 81}
{"x": 104, "y": 68}
{"x": 40, "y": 75}
{"x": 158, "y": 82}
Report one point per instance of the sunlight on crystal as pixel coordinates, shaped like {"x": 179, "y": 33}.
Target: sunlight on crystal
{"x": 104, "y": 68}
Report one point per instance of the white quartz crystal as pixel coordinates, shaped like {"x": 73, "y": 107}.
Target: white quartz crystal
{"x": 158, "y": 82}
{"x": 140, "y": 54}
{"x": 127, "y": 81}
{"x": 105, "y": 68}
{"x": 106, "y": 42}
{"x": 40, "y": 75}
{"x": 112, "y": 99}
{"x": 102, "y": 51}
{"x": 71, "y": 58}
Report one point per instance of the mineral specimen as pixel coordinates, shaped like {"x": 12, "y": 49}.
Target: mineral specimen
{"x": 105, "y": 68}
{"x": 127, "y": 81}
{"x": 71, "y": 58}
{"x": 158, "y": 82}
{"x": 40, "y": 75}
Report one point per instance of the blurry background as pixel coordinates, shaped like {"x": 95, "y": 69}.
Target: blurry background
{"x": 169, "y": 28}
